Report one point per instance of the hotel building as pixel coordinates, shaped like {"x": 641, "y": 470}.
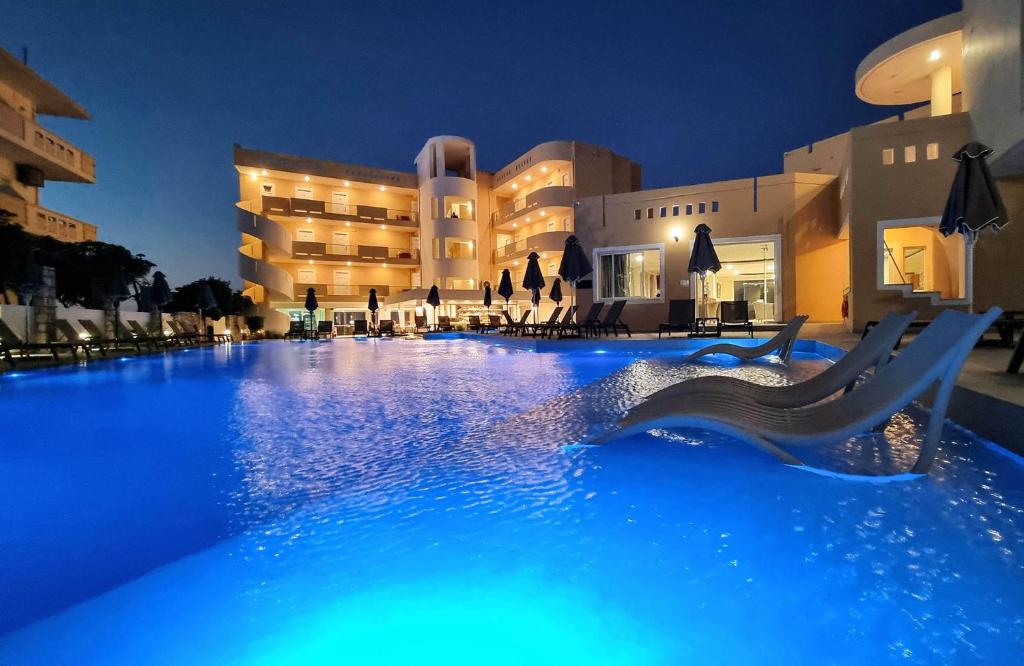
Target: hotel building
{"x": 845, "y": 233}
{"x": 30, "y": 155}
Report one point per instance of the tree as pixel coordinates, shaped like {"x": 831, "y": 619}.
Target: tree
{"x": 229, "y": 301}
{"x": 92, "y": 273}
{"x": 18, "y": 268}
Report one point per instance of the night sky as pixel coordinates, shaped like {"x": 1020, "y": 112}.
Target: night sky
{"x": 694, "y": 91}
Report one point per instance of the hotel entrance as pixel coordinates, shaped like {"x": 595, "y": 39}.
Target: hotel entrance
{"x": 749, "y": 273}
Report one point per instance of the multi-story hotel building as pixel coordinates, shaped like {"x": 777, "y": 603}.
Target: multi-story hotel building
{"x": 847, "y": 231}
{"x": 344, "y": 229}
{"x": 30, "y": 155}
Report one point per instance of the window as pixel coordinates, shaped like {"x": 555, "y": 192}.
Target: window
{"x": 303, "y": 192}
{"x": 304, "y": 234}
{"x": 458, "y": 248}
{"x": 629, "y": 273}
{"x": 689, "y": 209}
{"x": 909, "y": 154}
{"x": 702, "y": 208}
{"x": 636, "y": 214}
{"x": 566, "y": 225}
{"x": 459, "y": 283}
{"x": 931, "y": 151}
{"x": 267, "y": 189}
{"x": 675, "y": 210}
{"x": 650, "y": 213}
{"x": 714, "y": 206}
{"x": 888, "y": 156}
{"x": 433, "y": 209}
{"x": 663, "y": 212}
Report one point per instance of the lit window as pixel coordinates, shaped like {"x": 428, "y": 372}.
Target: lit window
{"x": 931, "y": 151}
{"x": 909, "y": 154}
{"x": 675, "y": 210}
{"x": 636, "y": 214}
{"x": 689, "y": 209}
{"x": 303, "y": 192}
{"x": 664, "y": 211}
{"x": 650, "y": 213}
{"x": 634, "y": 274}
{"x": 888, "y": 156}
{"x": 702, "y": 208}
{"x": 458, "y": 248}
{"x": 714, "y": 206}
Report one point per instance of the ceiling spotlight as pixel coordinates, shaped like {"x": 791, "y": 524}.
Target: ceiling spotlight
{"x": 305, "y": 178}
{"x": 382, "y": 188}
{"x": 515, "y": 186}
{"x": 252, "y": 176}
{"x": 264, "y": 172}
{"x": 934, "y": 55}
{"x": 544, "y": 169}
{"x": 345, "y": 183}
{"x": 309, "y": 220}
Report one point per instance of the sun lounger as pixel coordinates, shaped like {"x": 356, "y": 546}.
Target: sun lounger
{"x": 475, "y": 325}
{"x": 325, "y": 329}
{"x": 65, "y": 329}
{"x": 444, "y": 323}
{"x": 734, "y": 314}
{"x": 591, "y": 320}
{"x": 536, "y": 329}
{"x": 386, "y": 327}
{"x": 612, "y": 320}
{"x": 10, "y": 343}
{"x": 681, "y": 316}
{"x": 360, "y": 327}
{"x": 871, "y": 353}
{"x": 493, "y": 323}
{"x": 564, "y": 327}
{"x": 933, "y": 358}
{"x": 420, "y": 324}
{"x": 781, "y": 342}
{"x": 96, "y": 334}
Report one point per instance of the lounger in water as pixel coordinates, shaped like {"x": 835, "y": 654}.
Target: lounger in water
{"x": 782, "y": 343}
{"x": 872, "y": 352}
{"x": 933, "y": 358}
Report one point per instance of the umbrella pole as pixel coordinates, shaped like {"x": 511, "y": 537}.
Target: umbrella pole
{"x": 969, "y": 238}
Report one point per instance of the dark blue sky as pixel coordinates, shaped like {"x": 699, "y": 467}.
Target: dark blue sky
{"x": 694, "y": 91}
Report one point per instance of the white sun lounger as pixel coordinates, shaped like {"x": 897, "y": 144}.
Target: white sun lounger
{"x": 781, "y": 342}
{"x": 934, "y": 357}
{"x": 871, "y": 352}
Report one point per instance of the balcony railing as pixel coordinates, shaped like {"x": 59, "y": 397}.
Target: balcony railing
{"x": 66, "y": 228}
{"x": 307, "y": 249}
{"x": 343, "y": 292}
{"x": 548, "y": 241}
{"x": 325, "y": 210}
{"x": 56, "y": 158}
{"x": 540, "y": 198}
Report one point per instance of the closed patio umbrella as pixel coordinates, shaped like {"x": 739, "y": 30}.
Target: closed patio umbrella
{"x": 206, "y": 301}
{"x": 311, "y": 305}
{"x": 159, "y": 295}
{"x": 372, "y": 305}
{"x": 434, "y": 300}
{"x": 535, "y": 299}
{"x": 574, "y": 265}
{"x": 505, "y": 288}
{"x": 533, "y": 279}
{"x": 974, "y": 203}
{"x": 487, "y": 295}
{"x": 556, "y": 291}
{"x": 703, "y": 258}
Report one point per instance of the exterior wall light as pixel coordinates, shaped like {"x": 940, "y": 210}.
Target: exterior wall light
{"x": 305, "y": 178}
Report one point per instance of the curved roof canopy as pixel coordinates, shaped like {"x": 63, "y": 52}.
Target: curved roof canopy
{"x": 899, "y": 71}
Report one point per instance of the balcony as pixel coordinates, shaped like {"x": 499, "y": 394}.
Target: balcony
{"x": 374, "y": 254}
{"x": 274, "y": 279}
{"x": 545, "y": 197}
{"x": 25, "y": 142}
{"x": 343, "y": 293}
{"x": 57, "y": 225}
{"x": 548, "y": 241}
{"x": 353, "y": 213}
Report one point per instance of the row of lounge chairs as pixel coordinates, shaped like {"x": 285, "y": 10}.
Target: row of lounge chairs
{"x": 776, "y": 419}
{"x": 562, "y": 322}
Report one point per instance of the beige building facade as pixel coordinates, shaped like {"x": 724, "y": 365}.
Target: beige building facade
{"x": 30, "y": 154}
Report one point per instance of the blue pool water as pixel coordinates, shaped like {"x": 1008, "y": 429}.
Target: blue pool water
{"x": 394, "y": 501}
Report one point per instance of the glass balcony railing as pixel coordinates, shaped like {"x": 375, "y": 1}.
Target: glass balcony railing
{"x": 343, "y": 212}
{"x": 352, "y": 252}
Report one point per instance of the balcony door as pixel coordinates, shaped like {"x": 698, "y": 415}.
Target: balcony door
{"x": 304, "y": 234}
{"x": 306, "y": 275}
{"x": 342, "y": 281}
{"x": 339, "y": 203}
{"x": 339, "y": 243}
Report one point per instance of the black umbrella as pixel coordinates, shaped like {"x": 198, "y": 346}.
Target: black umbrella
{"x": 974, "y": 203}
{"x": 205, "y": 301}
{"x": 487, "y": 295}
{"x": 311, "y": 305}
{"x": 556, "y": 291}
{"x": 535, "y": 299}
{"x": 505, "y": 288}
{"x": 574, "y": 265}
{"x": 434, "y": 300}
{"x": 703, "y": 258}
{"x": 372, "y": 305}
{"x": 533, "y": 279}
{"x": 159, "y": 295}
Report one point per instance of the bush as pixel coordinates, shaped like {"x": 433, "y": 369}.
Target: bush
{"x": 254, "y": 323}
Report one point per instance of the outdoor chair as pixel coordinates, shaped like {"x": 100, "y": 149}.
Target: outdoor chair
{"x": 681, "y": 316}
{"x": 10, "y": 342}
{"x": 65, "y": 328}
{"x": 782, "y": 342}
{"x": 360, "y": 327}
{"x": 612, "y": 320}
{"x": 475, "y": 325}
{"x": 734, "y": 314}
{"x": 567, "y": 324}
{"x": 386, "y": 327}
{"x": 871, "y": 353}
{"x": 493, "y": 323}
{"x": 591, "y": 320}
{"x": 296, "y": 329}
{"x": 325, "y": 329}
{"x": 516, "y": 327}
{"x": 541, "y": 327}
{"x": 96, "y": 334}
{"x": 933, "y": 358}
{"x": 444, "y": 323}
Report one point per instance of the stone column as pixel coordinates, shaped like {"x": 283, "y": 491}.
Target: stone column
{"x": 942, "y": 91}
{"x": 109, "y": 316}
{"x": 44, "y": 306}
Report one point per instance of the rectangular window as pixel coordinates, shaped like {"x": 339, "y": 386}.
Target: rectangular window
{"x": 909, "y": 154}
{"x": 689, "y": 209}
{"x": 675, "y": 210}
{"x": 702, "y": 208}
{"x": 932, "y": 151}
{"x": 650, "y": 213}
{"x": 566, "y": 225}
{"x": 636, "y": 214}
{"x": 303, "y": 192}
{"x": 663, "y": 212}
{"x": 433, "y": 208}
{"x": 714, "y": 206}
{"x": 267, "y": 189}
{"x": 632, "y": 274}
{"x": 458, "y": 248}
{"x": 888, "y": 156}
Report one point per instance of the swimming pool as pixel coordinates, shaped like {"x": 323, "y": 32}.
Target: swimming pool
{"x": 396, "y": 501}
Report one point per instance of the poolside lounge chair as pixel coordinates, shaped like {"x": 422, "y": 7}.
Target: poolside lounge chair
{"x": 552, "y": 321}
{"x": 96, "y": 334}
{"x": 360, "y": 327}
{"x": 444, "y": 323}
{"x": 129, "y": 333}
{"x": 564, "y": 327}
{"x": 933, "y": 358}
{"x": 182, "y": 335}
{"x": 386, "y": 327}
{"x": 682, "y": 314}
{"x": 475, "y": 325}
{"x": 325, "y": 329}
{"x": 493, "y": 323}
{"x": 10, "y": 342}
{"x": 782, "y": 342}
{"x": 873, "y": 351}
{"x": 513, "y": 327}
{"x": 588, "y": 323}
{"x": 296, "y": 329}
{"x": 612, "y": 320}
{"x": 420, "y": 323}
{"x": 734, "y": 314}
{"x": 65, "y": 328}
